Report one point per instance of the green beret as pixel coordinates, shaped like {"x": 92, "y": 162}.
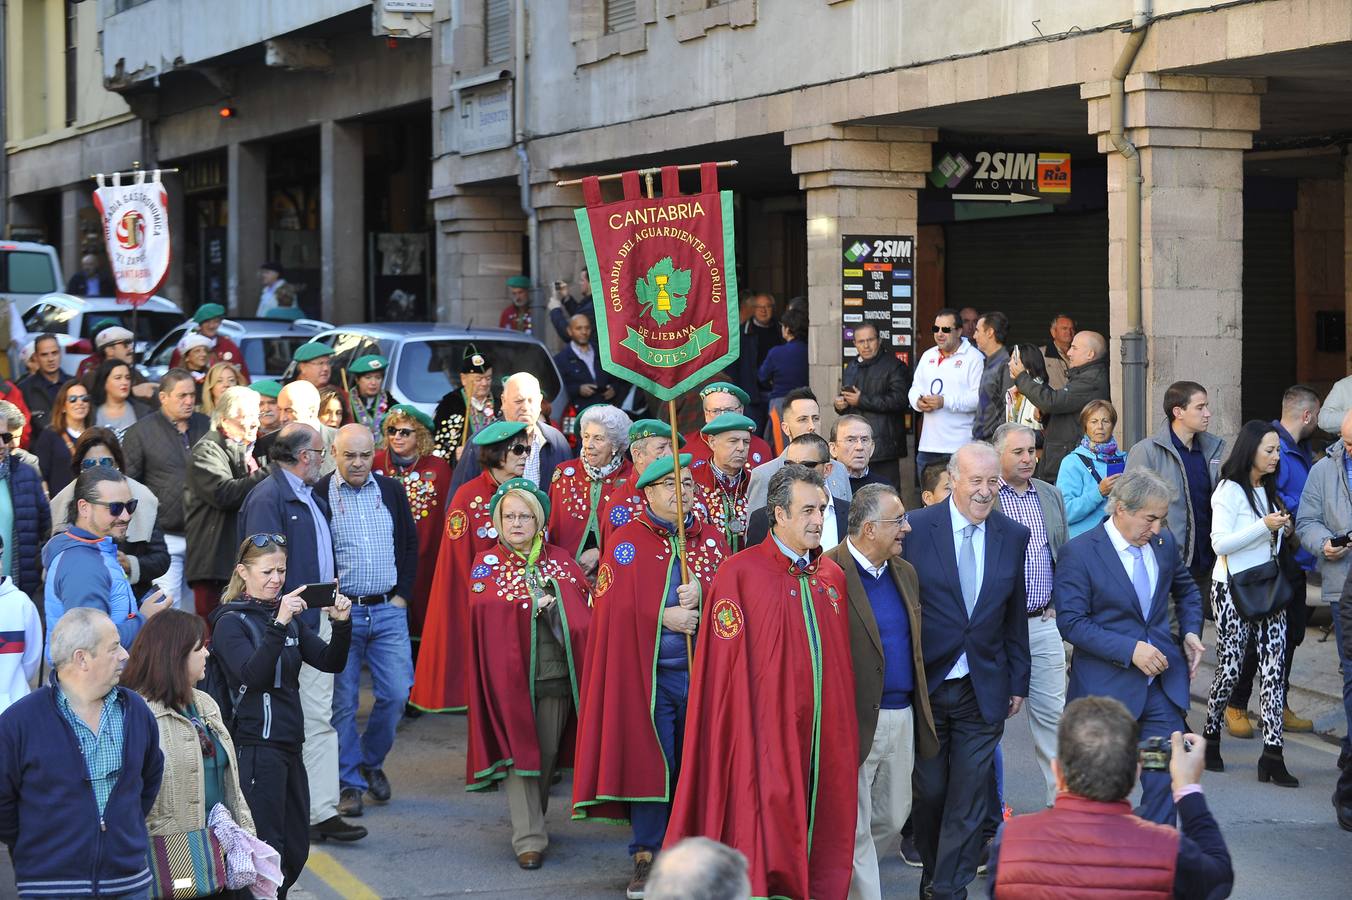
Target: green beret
{"x": 646, "y": 428}
{"x": 724, "y": 387}
{"x": 518, "y": 281}
{"x": 208, "y": 311}
{"x": 413, "y": 413}
{"x": 311, "y": 350}
{"x": 365, "y": 365}
{"x": 519, "y": 484}
{"x": 661, "y": 468}
{"x": 267, "y": 387}
{"x": 498, "y": 432}
{"x": 729, "y": 422}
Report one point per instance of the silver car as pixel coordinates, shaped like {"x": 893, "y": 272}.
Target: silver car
{"x": 425, "y": 357}
{"x": 72, "y": 319}
{"x": 267, "y": 344}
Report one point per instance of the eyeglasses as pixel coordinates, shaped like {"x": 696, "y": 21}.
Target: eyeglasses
{"x": 518, "y": 518}
{"x": 944, "y": 329}
{"x": 320, "y": 450}
{"x": 117, "y": 507}
{"x": 90, "y": 462}
{"x": 77, "y": 398}
{"x": 901, "y": 520}
{"x": 518, "y": 449}
{"x": 392, "y": 431}
{"x": 857, "y": 440}
{"x": 724, "y": 410}
{"x": 262, "y": 539}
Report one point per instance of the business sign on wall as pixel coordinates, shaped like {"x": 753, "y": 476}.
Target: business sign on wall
{"x": 486, "y": 118}
{"x": 877, "y": 286}
{"x": 998, "y": 175}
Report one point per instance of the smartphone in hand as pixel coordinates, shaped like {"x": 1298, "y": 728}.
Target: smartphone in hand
{"x": 320, "y": 595}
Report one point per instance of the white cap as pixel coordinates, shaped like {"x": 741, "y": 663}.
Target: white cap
{"x": 112, "y": 335}
{"x": 192, "y": 340}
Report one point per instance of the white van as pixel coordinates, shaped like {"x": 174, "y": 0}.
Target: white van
{"x": 27, "y": 271}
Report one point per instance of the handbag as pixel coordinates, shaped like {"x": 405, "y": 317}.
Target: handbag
{"x": 1260, "y": 591}
{"x": 186, "y": 865}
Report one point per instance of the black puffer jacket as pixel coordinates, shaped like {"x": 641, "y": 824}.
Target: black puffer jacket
{"x": 883, "y": 383}
{"x": 1061, "y": 409}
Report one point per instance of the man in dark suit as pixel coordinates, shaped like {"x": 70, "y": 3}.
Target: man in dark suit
{"x": 580, "y": 367}
{"x": 969, "y": 559}
{"x": 286, "y": 503}
{"x": 890, "y": 697}
{"x": 812, "y": 451}
{"x": 1113, "y": 585}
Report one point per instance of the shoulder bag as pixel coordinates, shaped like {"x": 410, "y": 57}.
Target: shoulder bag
{"x": 1262, "y": 590}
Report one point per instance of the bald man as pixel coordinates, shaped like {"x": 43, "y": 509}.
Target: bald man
{"x": 298, "y": 401}
{"x": 1086, "y": 379}
{"x": 523, "y": 401}
{"x": 580, "y": 366}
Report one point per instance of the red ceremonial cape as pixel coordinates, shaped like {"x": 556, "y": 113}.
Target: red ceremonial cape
{"x": 627, "y": 504}
{"x": 698, "y": 448}
{"x": 575, "y": 509}
{"x": 427, "y": 484}
{"x": 726, "y": 509}
{"x": 502, "y": 660}
{"x": 618, "y": 754}
{"x": 443, "y": 658}
{"x": 770, "y": 763}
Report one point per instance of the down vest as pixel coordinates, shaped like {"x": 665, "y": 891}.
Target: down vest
{"x": 31, "y": 526}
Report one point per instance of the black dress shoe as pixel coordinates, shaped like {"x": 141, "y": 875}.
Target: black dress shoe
{"x": 376, "y": 783}
{"x": 1344, "y": 815}
{"x": 349, "y": 802}
{"x": 334, "y": 828}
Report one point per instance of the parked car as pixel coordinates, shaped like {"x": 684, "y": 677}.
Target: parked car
{"x": 267, "y": 344}
{"x": 72, "y": 320}
{"x": 425, "y": 357}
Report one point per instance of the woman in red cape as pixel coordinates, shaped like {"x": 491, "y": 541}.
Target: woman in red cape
{"x": 439, "y": 679}
{"x": 406, "y": 456}
{"x": 582, "y": 488}
{"x": 770, "y": 764}
{"x": 529, "y": 616}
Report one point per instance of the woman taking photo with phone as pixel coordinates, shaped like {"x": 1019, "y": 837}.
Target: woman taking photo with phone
{"x": 260, "y": 643}
{"x": 1248, "y": 525}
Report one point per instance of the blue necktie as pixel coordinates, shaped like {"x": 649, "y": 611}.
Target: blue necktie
{"x": 967, "y": 570}
{"x": 1140, "y": 579}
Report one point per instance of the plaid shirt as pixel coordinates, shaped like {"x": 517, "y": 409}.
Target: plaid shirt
{"x": 363, "y": 538}
{"x": 103, "y": 751}
{"x": 1026, "y": 509}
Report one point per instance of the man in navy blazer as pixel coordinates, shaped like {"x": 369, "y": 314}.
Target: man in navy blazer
{"x": 1124, "y": 647}
{"x": 974, "y": 630}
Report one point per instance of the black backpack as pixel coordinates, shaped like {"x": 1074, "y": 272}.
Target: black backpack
{"x": 214, "y": 681}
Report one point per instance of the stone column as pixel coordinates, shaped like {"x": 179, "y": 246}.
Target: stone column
{"x": 69, "y": 239}
{"x": 246, "y": 234}
{"x": 1191, "y": 133}
{"x": 342, "y": 224}
{"x": 858, "y": 181}
{"x": 480, "y": 244}
{"x": 560, "y": 245}
{"x": 178, "y": 237}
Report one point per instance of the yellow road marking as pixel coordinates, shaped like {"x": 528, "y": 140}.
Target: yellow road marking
{"x": 336, "y": 876}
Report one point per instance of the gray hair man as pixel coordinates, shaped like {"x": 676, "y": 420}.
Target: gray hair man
{"x": 699, "y": 869}
{"x": 1086, "y": 380}
{"x": 78, "y": 738}
{"x": 1039, "y": 507}
{"x": 1113, "y": 587}
{"x": 298, "y": 401}
{"x": 890, "y": 690}
{"x": 375, "y": 548}
{"x": 523, "y": 401}
{"x": 14, "y": 423}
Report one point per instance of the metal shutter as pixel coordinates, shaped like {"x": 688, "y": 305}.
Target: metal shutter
{"x": 1268, "y": 366}
{"x": 620, "y": 14}
{"x": 1030, "y": 268}
{"x": 497, "y": 31}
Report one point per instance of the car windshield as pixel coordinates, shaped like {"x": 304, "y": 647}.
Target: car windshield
{"x": 424, "y": 365}
{"x": 150, "y": 325}
{"x": 268, "y": 357}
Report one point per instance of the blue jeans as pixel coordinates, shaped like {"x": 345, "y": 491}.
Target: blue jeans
{"x": 1161, "y": 717}
{"x": 379, "y": 639}
{"x": 649, "y": 820}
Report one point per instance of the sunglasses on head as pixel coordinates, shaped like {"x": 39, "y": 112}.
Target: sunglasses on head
{"x": 262, "y": 539}
{"x": 518, "y": 449}
{"x": 90, "y": 462}
{"x": 117, "y": 507}
{"x": 944, "y": 329}
{"x": 394, "y": 431}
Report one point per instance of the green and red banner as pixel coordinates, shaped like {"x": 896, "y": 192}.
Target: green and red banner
{"x": 664, "y": 281}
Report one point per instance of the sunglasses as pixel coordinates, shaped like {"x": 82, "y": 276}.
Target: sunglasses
{"x": 262, "y": 539}
{"x": 392, "y": 431}
{"x": 812, "y": 463}
{"x": 89, "y": 462}
{"x": 5, "y": 437}
{"x": 943, "y": 329}
{"x": 518, "y": 449}
{"x": 77, "y": 398}
{"x": 117, "y": 507}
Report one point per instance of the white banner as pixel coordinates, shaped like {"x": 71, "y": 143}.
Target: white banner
{"x": 136, "y": 232}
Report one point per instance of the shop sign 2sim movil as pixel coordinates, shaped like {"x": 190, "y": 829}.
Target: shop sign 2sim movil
{"x": 877, "y": 286}
{"x": 1002, "y": 175}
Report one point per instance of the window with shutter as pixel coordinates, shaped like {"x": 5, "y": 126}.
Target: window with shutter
{"x": 620, "y": 15}
{"x": 497, "y": 31}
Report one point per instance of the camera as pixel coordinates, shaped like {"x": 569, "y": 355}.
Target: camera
{"x": 1341, "y": 540}
{"x": 1155, "y": 753}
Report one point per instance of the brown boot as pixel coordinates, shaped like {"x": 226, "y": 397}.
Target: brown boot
{"x": 1293, "y": 722}
{"x": 1237, "y": 722}
{"x": 638, "y": 883}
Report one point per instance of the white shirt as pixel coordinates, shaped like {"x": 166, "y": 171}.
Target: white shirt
{"x": 18, "y": 615}
{"x": 1237, "y": 533}
{"x": 830, "y": 534}
{"x": 1122, "y": 546}
{"x": 960, "y": 668}
{"x": 267, "y": 299}
{"x": 532, "y": 473}
{"x": 875, "y": 571}
{"x": 587, "y": 355}
{"x": 957, "y": 378}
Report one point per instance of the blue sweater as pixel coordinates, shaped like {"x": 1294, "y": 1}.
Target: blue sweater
{"x": 63, "y": 849}
{"x": 784, "y": 369}
{"x": 894, "y": 627}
